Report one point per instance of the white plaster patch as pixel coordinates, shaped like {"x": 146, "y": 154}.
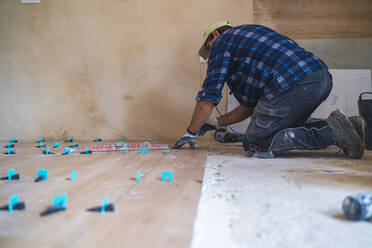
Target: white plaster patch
{"x": 251, "y": 202}
{"x": 213, "y": 211}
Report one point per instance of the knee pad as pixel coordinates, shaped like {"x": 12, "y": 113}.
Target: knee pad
{"x": 263, "y": 122}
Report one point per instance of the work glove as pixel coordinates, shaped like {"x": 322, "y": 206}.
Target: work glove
{"x": 187, "y": 138}
{"x": 211, "y": 124}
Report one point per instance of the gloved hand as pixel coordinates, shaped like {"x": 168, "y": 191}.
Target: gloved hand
{"x": 211, "y": 124}
{"x": 187, "y": 138}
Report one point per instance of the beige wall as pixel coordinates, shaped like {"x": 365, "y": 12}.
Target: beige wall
{"x": 103, "y": 67}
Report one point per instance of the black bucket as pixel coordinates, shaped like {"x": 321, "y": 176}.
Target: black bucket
{"x": 365, "y": 110}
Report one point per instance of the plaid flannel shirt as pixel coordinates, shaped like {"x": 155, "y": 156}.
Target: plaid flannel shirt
{"x": 256, "y": 62}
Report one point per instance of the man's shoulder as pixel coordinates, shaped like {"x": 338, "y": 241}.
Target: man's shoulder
{"x": 236, "y": 34}
{"x": 249, "y": 27}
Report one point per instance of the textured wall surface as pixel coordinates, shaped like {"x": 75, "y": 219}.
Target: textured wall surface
{"x": 342, "y": 53}
{"x": 111, "y": 68}
{"x": 130, "y": 68}
{"x": 310, "y": 19}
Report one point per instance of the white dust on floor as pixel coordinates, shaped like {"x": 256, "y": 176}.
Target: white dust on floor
{"x": 282, "y": 202}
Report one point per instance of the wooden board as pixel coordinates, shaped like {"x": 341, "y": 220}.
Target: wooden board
{"x": 311, "y": 19}
{"x": 347, "y": 86}
{"x": 150, "y": 213}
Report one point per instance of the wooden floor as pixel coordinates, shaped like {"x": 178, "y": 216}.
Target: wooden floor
{"x": 150, "y": 213}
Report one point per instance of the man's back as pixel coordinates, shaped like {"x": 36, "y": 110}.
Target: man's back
{"x": 257, "y": 62}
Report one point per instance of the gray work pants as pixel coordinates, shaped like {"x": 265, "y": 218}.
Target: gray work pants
{"x": 282, "y": 123}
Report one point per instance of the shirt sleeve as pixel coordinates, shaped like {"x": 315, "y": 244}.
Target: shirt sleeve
{"x": 218, "y": 68}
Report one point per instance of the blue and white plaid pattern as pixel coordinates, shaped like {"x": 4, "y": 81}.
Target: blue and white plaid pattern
{"x": 256, "y": 62}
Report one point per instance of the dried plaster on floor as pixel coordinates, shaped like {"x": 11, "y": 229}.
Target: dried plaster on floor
{"x": 282, "y": 202}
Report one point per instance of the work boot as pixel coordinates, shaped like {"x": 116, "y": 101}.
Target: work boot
{"x": 345, "y": 136}
{"x": 359, "y": 125}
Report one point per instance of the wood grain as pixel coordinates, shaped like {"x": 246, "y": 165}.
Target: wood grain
{"x": 150, "y": 213}
{"x": 313, "y": 19}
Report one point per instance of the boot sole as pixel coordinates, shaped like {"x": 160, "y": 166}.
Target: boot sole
{"x": 345, "y": 135}
{"x": 359, "y": 125}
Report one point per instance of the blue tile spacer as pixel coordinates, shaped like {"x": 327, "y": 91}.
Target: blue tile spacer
{"x": 125, "y": 139}
{"x": 56, "y": 144}
{"x": 41, "y": 140}
{"x": 166, "y": 151}
{"x": 87, "y": 150}
{"x": 153, "y": 138}
{"x": 138, "y": 176}
{"x": 42, "y": 172}
{"x": 66, "y": 150}
{"x": 74, "y": 144}
{"x": 47, "y": 150}
{"x": 68, "y": 139}
{"x": 60, "y": 201}
{"x": 167, "y": 174}
{"x": 97, "y": 139}
{"x": 10, "y": 150}
{"x": 10, "y": 174}
{"x": 13, "y": 200}
{"x": 13, "y": 140}
{"x": 41, "y": 144}
{"x": 73, "y": 176}
{"x": 104, "y": 204}
{"x": 126, "y": 150}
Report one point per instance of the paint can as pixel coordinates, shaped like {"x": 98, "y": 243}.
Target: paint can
{"x": 358, "y": 207}
{"x": 365, "y": 110}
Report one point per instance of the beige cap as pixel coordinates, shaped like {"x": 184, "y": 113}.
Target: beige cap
{"x": 203, "y": 51}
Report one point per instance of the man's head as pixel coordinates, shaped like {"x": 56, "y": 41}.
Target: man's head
{"x": 211, "y": 34}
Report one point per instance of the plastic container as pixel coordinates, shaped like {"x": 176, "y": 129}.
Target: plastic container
{"x": 365, "y": 110}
